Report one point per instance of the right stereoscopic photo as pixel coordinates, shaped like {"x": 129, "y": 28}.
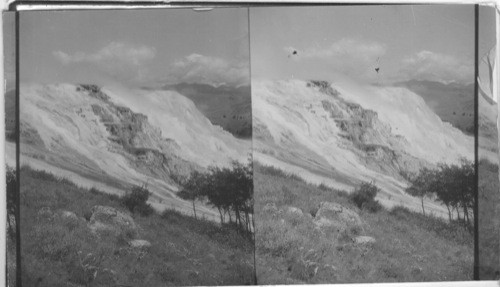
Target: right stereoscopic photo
{"x": 488, "y": 187}
{"x": 363, "y": 143}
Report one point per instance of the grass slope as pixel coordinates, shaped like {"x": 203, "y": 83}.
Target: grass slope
{"x": 489, "y": 222}
{"x": 57, "y": 251}
{"x": 409, "y": 246}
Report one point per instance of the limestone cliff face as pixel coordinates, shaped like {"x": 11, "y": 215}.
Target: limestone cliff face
{"x": 371, "y": 140}
{"x": 83, "y": 130}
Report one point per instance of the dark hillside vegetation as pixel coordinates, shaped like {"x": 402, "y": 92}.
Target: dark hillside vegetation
{"x": 226, "y": 106}
{"x": 60, "y": 249}
{"x": 452, "y": 185}
{"x": 229, "y": 190}
{"x": 453, "y": 103}
{"x": 11, "y": 226}
{"x": 489, "y": 222}
{"x": 405, "y": 245}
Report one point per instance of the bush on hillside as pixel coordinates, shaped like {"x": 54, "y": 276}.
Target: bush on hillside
{"x": 372, "y": 206}
{"x": 136, "y": 201}
{"x": 364, "y": 197}
{"x": 453, "y": 185}
{"x": 229, "y": 189}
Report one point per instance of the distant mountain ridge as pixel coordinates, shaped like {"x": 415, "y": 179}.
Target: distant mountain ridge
{"x": 225, "y": 106}
{"x": 453, "y": 102}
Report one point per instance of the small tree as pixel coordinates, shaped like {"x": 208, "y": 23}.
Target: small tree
{"x": 421, "y": 185}
{"x": 364, "y": 196}
{"x": 136, "y": 200}
{"x": 452, "y": 184}
{"x": 194, "y": 188}
{"x": 229, "y": 189}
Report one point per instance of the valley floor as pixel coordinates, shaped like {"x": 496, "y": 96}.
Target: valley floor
{"x": 409, "y": 246}
{"x": 61, "y": 251}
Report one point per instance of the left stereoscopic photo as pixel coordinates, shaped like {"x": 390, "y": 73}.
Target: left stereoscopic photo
{"x": 9, "y": 37}
{"x": 135, "y": 147}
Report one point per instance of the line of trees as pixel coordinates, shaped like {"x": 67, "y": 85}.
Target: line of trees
{"x": 230, "y": 190}
{"x": 452, "y": 185}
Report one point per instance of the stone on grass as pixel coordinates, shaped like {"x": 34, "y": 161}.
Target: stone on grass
{"x": 107, "y": 219}
{"x": 270, "y": 207}
{"x": 139, "y": 243}
{"x": 69, "y": 215}
{"x": 293, "y": 211}
{"x": 336, "y": 216}
{"x": 45, "y": 212}
{"x": 364, "y": 240}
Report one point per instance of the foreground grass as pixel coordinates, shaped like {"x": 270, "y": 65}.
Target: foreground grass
{"x": 489, "y": 222}
{"x": 409, "y": 246}
{"x": 11, "y": 261}
{"x": 57, "y": 251}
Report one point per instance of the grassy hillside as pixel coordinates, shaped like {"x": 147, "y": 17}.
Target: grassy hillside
{"x": 489, "y": 222}
{"x": 409, "y": 246}
{"x": 61, "y": 251}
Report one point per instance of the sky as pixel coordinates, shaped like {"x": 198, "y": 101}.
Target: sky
{"x": 406, "y": 42}
{"x": 147, "y": 47}
{"x": 153, "y": 47}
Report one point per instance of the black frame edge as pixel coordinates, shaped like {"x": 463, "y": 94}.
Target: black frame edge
{"x": 476, "y": 143}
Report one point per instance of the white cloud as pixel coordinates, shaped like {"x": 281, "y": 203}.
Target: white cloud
{"x": 427, "y": 65}
{"x": 349, "y": 56}
{"x": 115, "y": 51}
{"x": 197, "y": 68}
{"x": 120, "y": 60}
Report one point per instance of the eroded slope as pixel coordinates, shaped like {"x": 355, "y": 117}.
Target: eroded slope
{"x": 345, "y": 133}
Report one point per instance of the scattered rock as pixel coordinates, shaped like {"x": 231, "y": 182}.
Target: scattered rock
{"x": 364, "y": 240}
{"x": 106, "y": 277}
{"x": 100, "y": 228}
{"x": 108, "y": 219}
{"x": 337, "y": 216}
{"x": 139, "y": 243}
{"x": 270, "y": 207}
{"x": 108, "y": 214}
{"x": 45, "y": 212}
{"x": 293, "y": 211}
{"x": 69, "y": 215}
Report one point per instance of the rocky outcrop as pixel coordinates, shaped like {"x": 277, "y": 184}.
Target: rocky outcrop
{"x": 336, "y": 217}
{"x": 373, "y": 141}
{"x": 107, "y": 219}
{"x": 323, "y": 87}
{"x": 143, "y": 144}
